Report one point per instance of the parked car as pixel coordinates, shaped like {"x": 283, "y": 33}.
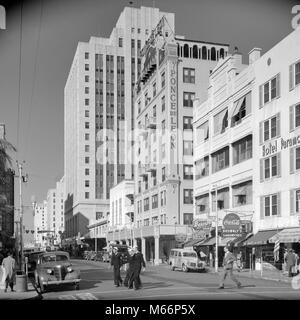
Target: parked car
{"x": 55, "y": 268}
{"x": 32, "y": 258}
{"x": 185, "y": 259}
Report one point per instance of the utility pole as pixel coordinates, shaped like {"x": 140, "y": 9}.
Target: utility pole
{"x": 217, "y": 235}
{"x": 21, "y": 215}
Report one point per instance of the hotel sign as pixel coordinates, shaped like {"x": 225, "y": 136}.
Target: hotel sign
{"x": 279, "y": 144}
{"x": 173, "y": 104}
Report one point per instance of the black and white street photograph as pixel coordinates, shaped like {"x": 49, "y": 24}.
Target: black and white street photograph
{"x": 149, "y": 151}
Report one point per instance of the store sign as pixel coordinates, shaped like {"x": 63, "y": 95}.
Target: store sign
{"x": 200, "y": 224}
{"x": 232, "y": 225}
{"x": 279, "y": 144}
{"x": 173, "y": 106}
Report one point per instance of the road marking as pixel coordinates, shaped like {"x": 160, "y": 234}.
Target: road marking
{"x": 80, "y": 296}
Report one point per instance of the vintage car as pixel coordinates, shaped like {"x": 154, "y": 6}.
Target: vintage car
{"x": 55, "y": 268}
{"x": 186, "y": 259}
{"x": 31, "y": 261}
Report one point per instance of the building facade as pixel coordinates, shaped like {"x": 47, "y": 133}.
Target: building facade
{"x": 99, "y": 116}
{"x": 175, "y": 71}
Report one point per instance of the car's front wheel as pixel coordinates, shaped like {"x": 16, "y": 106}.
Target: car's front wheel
{"x": 185, "y": 268}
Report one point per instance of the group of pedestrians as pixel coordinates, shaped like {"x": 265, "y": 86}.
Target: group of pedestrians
{"x": 135, "y": 262}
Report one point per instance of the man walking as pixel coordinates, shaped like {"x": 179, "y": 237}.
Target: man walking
{"x": 290, "y": 260}
{"x": 137, "y": 263}
{"x": 129, "y": 267}
{"x": 116, "y": 263}
{"x": 8, "y": 265}
{"x": 228, "y": 268}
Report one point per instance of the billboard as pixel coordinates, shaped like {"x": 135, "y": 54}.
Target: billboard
{"x": 232, "y": 226}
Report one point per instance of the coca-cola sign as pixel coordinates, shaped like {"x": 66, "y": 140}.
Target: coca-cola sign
{"x": 232, "y": 225}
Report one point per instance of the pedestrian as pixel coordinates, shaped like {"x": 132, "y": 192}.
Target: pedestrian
{"x": 239, "y": 261}
{"x": 137, "y": 263}
{"x": 296, "y": 264}
{"x": 116, "y": 263}
{"x": 129, "y": 266}
{"x": 211, "y": 260}
{"x": 228, "y": 261}
{"x": 9, "y": 267}
{"x": 290, "y": 260}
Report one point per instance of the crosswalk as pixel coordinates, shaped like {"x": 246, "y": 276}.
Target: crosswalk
{"x": 79, "y": 296}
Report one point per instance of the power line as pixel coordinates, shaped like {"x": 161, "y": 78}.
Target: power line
{"x": 34, "y": 77}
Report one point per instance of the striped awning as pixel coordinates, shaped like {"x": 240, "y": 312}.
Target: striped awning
{"x": 287, "y": 236}
{"x": 261, "y": 237}
{"x": 212, "y": 241}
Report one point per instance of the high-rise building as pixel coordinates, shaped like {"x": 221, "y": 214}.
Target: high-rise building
{"x": 174, "y": 72}
{"x": 99, "y": 115}
{"x": 40, "y": 224}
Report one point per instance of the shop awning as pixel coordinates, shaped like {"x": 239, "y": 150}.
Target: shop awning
{"x": 242, "y": 191}
{"x": 212, "y": 241}
{"x": 193, "y": 242}
{"x": 289, "y": 235}
{"x": 239, "y": 240}
{"x": 261, "y": 237}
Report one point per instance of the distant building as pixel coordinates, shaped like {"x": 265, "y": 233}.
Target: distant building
{"x": 40, "y": 224}
{"x": 6, "y": 202}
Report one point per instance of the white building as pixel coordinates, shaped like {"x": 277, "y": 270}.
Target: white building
{"x": 99, "y": 116}
{"x": 40, "y": 224}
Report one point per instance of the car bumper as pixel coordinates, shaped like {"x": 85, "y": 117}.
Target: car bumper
{"x": 49, "y": 282}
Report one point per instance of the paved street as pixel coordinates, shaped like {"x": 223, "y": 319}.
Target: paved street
{"x": 159, "y": 282}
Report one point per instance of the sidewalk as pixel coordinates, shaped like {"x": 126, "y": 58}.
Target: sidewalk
{"x": 31, "y": 294}
{"x": 275, "y": 275}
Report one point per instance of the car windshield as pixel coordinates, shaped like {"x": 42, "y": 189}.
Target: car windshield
{"x": 189, "y": 254}
{"x": 58, "y": 257}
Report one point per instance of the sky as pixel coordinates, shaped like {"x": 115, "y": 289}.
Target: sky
{"x": 51, "y": 30}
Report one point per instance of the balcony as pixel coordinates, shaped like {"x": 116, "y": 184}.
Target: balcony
{"x": 151, "y": 123}
{"x": 142, "y": 171}
{"x": 150, "y": 167}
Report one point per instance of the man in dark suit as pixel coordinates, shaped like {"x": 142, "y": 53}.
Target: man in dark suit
{"x": 228, "y": 268}
{"x": 116, "y": 263}
{"x": 137, "y": 263}
{"x": 290, "y": 261}
{"x": 129, "y": 255}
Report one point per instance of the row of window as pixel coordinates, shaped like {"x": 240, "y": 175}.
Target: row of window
{"x": 187, "y": 220}
{"x": 154, "y": 202}
{"x": 241, "y": 195}
{"x": 202, "y": 52}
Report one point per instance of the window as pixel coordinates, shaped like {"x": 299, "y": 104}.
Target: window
{"x": 163, "y": 174}
{"x": 202, "y": 133}
{"x": 132, "y": 43}
{"x": 86, "y": 90}
{"x": 222, "y": 199}
{"x": 155, "y": 201}
{"x": 221, "y": 121}
{"x": 163, "y": 198}
{"x": 86, "y": 67}
{"x": 294, "y": 116}
{"x": 86, "y": 78}
{"x": 187, "y": 148}
{"x": 146, "y": 222}
{"x": 270, "y": 205}
{"x": 87, "y": 113}
{"x": 139, "y": 106}
{"x": 87, "y": 148}
{"x": 146, "y": 204}
{"x": 202, "y": 168}
{"x": 295, "y": 201}
{"x": 86, "y": 55}
{"x": 187, "y": 123}
{"x": 146, "y": 99}
{"x": 146, "y": 31}
{"x": 294, "y": 75}
{"x": 86, "y": 102}
{"x": 242, "y": 194}
{"x": 154, "y": 112}
{"x": 87, "y": 172}
{"x": 220, "y": 159}
{"x": 99, "y": 215}
{"x": 139, "y": 30}
{"x": 270, "y": 167}
{"x": 120, "y": 42}
{"x": 269, "y": 90}
{"x": 163, "y": 79}
{"x": 188, "y": 98}
{"x": 188, "y": 172}
{"x": 87, "y": 195}
{"x": 87, "y": 160}
{"x": 242, "y": 108}
{"x": 154, "y": 89}
{"x": 188, "y": 196}
{"x": 188, "y": 218}
{"x": 188, "y": 75}
{"x": 242, "y": 150}
{"x": 270, "y": 128}
{"x": 146, "y": 183}
{"x": 87, "y": 183}
{"x": 87, "y": 136}
{"x": 163, "y": 126}
{"x": 87, "y": 125}
{"x": 163, "y": 104}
